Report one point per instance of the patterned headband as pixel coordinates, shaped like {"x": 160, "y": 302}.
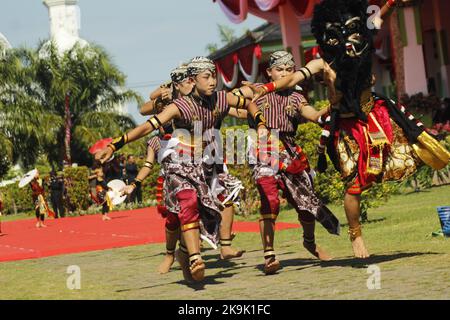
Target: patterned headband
{"x": 199, "y": 65}
{"x": 179, "y": 74}
{"x": 279, "y": 58}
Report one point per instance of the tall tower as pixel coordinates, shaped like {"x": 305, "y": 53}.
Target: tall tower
{"x": 64, "y": 23}
{"x": 4, "y": 44}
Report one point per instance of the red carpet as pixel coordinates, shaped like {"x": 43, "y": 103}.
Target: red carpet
{"x": 88, "y": 233}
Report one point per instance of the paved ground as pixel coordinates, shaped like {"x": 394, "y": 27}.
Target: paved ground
{"x": 412, "y": 264}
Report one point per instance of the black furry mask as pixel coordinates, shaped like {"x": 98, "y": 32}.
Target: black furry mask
{"x": 340, "y": 28}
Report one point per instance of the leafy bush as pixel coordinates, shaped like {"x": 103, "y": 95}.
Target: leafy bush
{"x": 77, "y": 185}
{"x": 17, "y": 200}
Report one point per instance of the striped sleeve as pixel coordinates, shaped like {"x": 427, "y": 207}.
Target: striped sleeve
{"x": 155, "y": 144}
{"x": 185, "y": 109}
{"x": 299, "y": 100}
{"x": 222, "y": 103}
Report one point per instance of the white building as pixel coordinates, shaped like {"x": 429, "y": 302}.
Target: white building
{"x": 65, "y": 23}
{"x": 4, "y": 43}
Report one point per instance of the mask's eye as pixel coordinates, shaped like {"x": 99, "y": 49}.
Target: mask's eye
{"x": 353, "y": 26}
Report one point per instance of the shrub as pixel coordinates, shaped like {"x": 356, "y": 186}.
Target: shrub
{"x": 77, "y": 186}
{"x": 17, "y": 200}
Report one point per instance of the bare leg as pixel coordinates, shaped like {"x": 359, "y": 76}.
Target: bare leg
{"x": 352, "y": 208}
{"x": 226, "y": 251}
{"x": 182, "y": 257}
{"x": 197, "y": 266}
{"x": 42, "y": 219}
{"x": 267, "y": 229}
{"x": 309, "y": 243}
{"x": 172, "y": 237}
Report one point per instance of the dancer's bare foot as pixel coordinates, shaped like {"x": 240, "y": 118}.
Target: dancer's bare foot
{"x": 271, "y": 266}
{"x": 168, "y": 261}
{"x": 316, "y": 251}
{"x": 43, "y": 225}
{"x": 197, "y": 268}
{"x": 38, "y": 224}
{"x": 183, "y": 260}
{"x": 228, "y": 252}
{"x": 106, "y": 218}
{"x": 359, "y": 249}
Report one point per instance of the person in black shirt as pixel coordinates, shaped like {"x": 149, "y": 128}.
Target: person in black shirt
{"x": 56, "y": 184}
{"x": 132, "y": 172}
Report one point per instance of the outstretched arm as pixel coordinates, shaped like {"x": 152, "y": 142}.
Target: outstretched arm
{"x": 154, "y": 123}
{"x": 311, "y": 114}
{"x": 305, "y": 73}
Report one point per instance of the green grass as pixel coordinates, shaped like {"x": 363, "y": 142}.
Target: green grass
{"x": 19, "y": 216}
{"x": 413, "y": 264}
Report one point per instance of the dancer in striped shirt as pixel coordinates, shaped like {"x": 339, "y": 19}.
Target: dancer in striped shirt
{"x": 159, "y": 99}
{"x": 201, "y": 111}
{"x": 290, "y": 171}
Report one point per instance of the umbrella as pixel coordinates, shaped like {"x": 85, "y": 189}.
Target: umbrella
{"x": 115, "y": 194}
{"x": 27, "y": 178}
{"x": 99, "y": 145}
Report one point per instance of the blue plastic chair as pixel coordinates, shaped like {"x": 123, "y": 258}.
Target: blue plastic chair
{"x": 444, "y": 218}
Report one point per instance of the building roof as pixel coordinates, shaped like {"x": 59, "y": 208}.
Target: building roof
{"x": 267, "y": 33}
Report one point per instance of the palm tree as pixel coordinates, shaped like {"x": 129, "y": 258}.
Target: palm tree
{"x": 86, "y": 77}
{"x": 24, "y": 124}
{"x": 226, "y": 35}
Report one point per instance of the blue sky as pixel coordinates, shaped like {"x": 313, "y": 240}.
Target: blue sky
{"x": 145, "y": 38}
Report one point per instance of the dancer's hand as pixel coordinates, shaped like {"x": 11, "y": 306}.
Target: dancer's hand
{"x": 166, "y": 94}
{"x": 329, "y": 75}
{"x": 127, "y": 190}
{"x": 258, "y": 92}
{"x": 104, "y": 155}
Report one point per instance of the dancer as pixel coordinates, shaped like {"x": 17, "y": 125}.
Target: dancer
{"x": 371, "y": 138}
{"x": 104, "y": 200}
{"x": 40, "y": 204}
{"x": 161, "y": 97}
{"x": 283, "y": 112}
{"x": 189, "y": 191}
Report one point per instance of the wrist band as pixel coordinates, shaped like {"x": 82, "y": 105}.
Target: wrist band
{"x": 154, "y": 122}
{"x": 259, "y": 119}
{"x": 302, "y": 70}
{"x": 307, "y": 69}
{"x": 112, "y": 147}
{"x": 136, "y": 183}
{"x": 238, "y": 92}
{"x": 148, "y": 164}
{"x": 391, "y": 3}
{"x": 241, "y": 102}
{"x": 303, "y": 73}
{"x": 270, "y": 87}
{"x": 118, "y": 143}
